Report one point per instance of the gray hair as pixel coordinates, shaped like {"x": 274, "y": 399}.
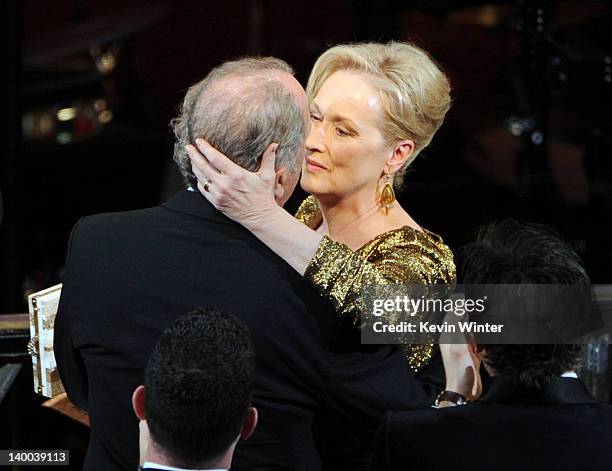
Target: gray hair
{"x": 239, "y": 110}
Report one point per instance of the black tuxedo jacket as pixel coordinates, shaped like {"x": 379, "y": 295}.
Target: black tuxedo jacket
{"x": 509, "y": 428}
{"x": 129, "y": 275}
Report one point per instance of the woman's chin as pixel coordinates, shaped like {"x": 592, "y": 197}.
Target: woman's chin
{"x": 307, "y": 184}
{"x": 316, "y": 186}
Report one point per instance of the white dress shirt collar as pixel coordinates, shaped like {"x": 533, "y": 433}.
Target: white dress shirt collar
{"x": 570, "y": 374}
{"x": 170, "y": 468}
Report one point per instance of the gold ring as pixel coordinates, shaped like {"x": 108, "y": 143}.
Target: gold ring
{"x": 207, "y": 185}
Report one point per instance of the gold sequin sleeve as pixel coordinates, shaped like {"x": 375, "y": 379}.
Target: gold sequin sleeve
{"x": 308, "y": 213}
{"x": 400, "y": 256}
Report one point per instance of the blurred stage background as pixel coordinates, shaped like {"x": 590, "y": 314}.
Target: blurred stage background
{"x": 90, "y": 86}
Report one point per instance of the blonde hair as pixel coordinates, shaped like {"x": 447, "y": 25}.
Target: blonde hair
{"x": 415, "y": 92}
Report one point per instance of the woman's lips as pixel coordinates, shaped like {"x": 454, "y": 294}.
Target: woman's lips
{"x": 314, "y": 166}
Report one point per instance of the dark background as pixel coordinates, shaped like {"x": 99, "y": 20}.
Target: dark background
{"x": 528, "y": 135}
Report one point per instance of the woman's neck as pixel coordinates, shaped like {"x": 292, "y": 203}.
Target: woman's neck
{"x": 356, "y": 219}
{"x": 343, "y": 214}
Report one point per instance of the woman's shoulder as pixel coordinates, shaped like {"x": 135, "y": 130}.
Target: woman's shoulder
{"x": 407, "y": 238}
{"x": 411, "y": 255}
{"x": 309, "y": 213}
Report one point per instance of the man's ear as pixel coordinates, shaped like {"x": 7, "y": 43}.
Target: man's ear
{"x": 138, "y": 402}
{"x": 249, "y": 423}
{"x": 402, "y": 152}
{"x": 279, "y": 187}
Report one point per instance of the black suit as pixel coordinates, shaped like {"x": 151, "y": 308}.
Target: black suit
{"x": 559, "y": 428}
{"x": 129, "y": 275}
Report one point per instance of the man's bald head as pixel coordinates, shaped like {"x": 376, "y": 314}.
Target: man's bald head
{"x": 240, "y": 107}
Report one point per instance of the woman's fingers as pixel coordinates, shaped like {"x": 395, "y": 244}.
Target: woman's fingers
{"x": 202, "y": 190}
{"x": 207, "y": 194}
{"x": 218, "y": 160}
{"x": 236, "y": 192}
{"x": 268, "y": 162}
{"x": 202, "y": 178}
{"x": 201, "y": 168}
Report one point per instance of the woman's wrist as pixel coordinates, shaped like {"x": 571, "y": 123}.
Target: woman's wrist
{"x": 266, "y": 218}
{"x": 460, "y": 387}
{"x": 289, "y": 238}
{"x": 449, "y": 398}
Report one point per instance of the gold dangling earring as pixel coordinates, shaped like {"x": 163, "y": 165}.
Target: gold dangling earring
{"x": 387, "y": 195}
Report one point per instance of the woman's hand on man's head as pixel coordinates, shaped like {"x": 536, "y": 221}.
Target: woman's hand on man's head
{"x": 244, "y": 196}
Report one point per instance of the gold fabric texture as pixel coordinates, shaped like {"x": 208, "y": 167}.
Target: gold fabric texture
{"x": 400, "y": 256}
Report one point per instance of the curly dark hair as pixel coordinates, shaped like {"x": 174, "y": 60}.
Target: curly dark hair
{"x": 513, "y": 252}
{"x": 198, "y": 386}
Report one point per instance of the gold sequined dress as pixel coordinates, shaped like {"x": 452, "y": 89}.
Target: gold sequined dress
{"x": 400, "y": 256}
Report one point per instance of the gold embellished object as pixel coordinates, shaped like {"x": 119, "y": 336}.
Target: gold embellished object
{"x": 43, "y": 307}
{"x": 401, "y": 256}
{"x": 207, "y": 185}
{"x": 387, "y": 195}
{"x": 33, "y": 346}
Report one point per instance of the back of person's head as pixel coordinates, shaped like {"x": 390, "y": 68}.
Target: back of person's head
{"x": 198, "y": 387}
{"x": 512, "y": 252}
{"x": 240, "y": 107}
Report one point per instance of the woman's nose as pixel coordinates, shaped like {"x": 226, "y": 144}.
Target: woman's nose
{"x": 315, "y": 138}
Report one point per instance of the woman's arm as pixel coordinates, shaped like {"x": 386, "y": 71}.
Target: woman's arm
{"x": 333, "y": 268}
{"x": 291, "y": 240}
{"x": 336, "y": 271}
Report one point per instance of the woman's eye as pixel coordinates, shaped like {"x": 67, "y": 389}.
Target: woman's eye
{"x": 314, "y": 117}
{"x": 342, "y": 132}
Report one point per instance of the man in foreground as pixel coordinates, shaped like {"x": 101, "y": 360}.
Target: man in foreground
{"x": 194, "y": 405}
{"x": 534, "y": 412}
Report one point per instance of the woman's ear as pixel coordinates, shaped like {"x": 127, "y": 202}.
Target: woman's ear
{"x": 402, "y": 152}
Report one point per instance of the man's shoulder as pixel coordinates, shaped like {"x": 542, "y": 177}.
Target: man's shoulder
{"x": 420, "y": 420}
{"x": 112, "y": 229}
{"x": 185, "y": 210}
{"x": 137, "y": 222}
{"x": 105, "y": 221}
{"x": 417, "y": 418}
{"x": 184, "y": 229}
{"x": 486, "y": 436}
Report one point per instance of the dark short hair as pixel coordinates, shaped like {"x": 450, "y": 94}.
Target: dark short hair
{"x": 513, "y": 252}
{"x": 198, "y": 386}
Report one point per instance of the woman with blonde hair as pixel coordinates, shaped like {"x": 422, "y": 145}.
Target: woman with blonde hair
{"x": 373, "y": 109}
